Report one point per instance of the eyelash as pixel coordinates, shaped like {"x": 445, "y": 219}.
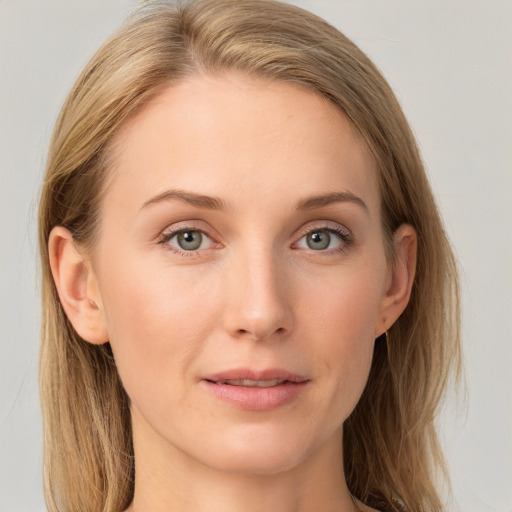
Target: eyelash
{"x": 344, "y": 235}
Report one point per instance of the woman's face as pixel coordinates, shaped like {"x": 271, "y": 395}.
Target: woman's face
{"x": 241, "y": 272}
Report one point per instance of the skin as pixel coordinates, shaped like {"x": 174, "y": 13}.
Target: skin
{"x": 254, "y": 295}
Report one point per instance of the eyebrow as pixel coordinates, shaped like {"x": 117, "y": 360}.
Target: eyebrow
{"x": 201, "y": 201}
{"x": 215, "y": 203}
{"x": 314, "y": 202}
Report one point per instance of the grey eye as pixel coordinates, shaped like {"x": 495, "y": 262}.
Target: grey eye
{"x": 189, "y": 240}
{"x": 318, "y": 240}
{"x": 324, "y": 239}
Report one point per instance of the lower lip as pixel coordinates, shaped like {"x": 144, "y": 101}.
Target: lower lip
{"x": 255, "y": 398}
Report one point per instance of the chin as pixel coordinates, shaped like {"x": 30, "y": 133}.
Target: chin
{"x": 257, "y": 451}
{"x": 257, "y": 462}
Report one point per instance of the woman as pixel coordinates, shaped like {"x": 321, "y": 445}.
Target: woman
{"x": 249, "y": 299}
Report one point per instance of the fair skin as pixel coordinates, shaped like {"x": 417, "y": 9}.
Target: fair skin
{"x": 279, "y": 267}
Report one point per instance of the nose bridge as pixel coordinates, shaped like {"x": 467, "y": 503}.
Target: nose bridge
{"x": 257, "y": 288}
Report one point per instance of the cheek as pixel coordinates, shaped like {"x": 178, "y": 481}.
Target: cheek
{"x": 346, "y": 304}
{"x": 154, "y": 324}
{"x": 341, "y": 318}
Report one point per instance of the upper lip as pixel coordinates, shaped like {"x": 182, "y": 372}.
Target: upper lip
{"x": 256, "y": 375}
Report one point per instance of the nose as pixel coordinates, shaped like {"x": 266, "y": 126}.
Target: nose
{"x": 258, "y": 303}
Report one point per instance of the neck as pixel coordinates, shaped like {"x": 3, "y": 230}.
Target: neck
{"x": 168, "y": 479}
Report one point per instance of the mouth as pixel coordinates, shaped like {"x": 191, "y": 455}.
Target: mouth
{"x": 251, "y": 377}
{"x": 250, "y": 383}
{"x": 256, "y": 390}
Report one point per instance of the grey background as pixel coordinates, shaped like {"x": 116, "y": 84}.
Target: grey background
{"x": 450, "y": 63}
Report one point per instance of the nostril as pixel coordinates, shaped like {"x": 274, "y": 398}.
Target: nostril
{"x": 260, "y": 335}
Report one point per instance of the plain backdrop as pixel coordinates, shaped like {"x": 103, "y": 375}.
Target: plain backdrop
{"x": 450, "y": 63}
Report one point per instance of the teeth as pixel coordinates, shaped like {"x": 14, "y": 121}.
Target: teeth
{"x": 251, "y": 383}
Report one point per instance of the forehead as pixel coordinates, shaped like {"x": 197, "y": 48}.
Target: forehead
{"x": 234, "y": 135}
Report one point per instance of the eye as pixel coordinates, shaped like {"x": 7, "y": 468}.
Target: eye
{"x": 188, "y": 240}
{"x": 324, "y": 239}
{"x": 318, "y": 240}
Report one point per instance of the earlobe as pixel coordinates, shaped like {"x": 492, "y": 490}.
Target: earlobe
{"x": 401, "y": 279}
{"x": 77, "y": 286}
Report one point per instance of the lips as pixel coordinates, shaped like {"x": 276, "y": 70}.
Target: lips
{"x": 238, "y": 375}
{"x": 256, "y": 390}
{"x": 252, "y": 383}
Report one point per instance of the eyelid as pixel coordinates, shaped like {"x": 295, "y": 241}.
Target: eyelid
{"x": 324, "y": 225}
{"x": 192, "y": 225}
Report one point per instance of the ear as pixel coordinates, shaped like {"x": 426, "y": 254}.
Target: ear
{"x": 401, "y": 278}
{"x": 77, "y": 286}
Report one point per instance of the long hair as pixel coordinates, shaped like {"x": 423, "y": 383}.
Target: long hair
{"x": 391, "y": 451}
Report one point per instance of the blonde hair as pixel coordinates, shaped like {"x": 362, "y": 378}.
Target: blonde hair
{"x": 391, "y": 451}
